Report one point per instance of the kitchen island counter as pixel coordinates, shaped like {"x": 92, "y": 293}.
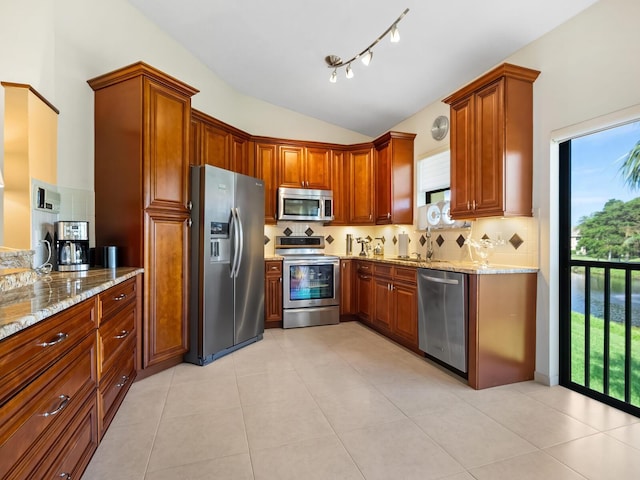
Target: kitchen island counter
{"x": 25, "y": 306}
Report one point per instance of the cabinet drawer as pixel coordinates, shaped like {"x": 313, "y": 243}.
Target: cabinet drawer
{"x": 28, "y": 353}
{"x": 364, "y": 268}
{"x": 115, "y": 384}
{"x": 115, "y": 298}
{"x": 73, "y": 446}
{"x": 273, "y": 268}
{"x": 381, "y": 270}
{"x": 113, "y": 335}
{"x": 49, "y": 401}
{"x": 408, "y": 275}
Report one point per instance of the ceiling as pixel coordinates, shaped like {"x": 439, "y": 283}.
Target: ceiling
{"x": 274, "y": 50}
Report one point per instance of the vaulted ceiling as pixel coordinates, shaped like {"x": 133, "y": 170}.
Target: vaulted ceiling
{"x": 274, "y": 50}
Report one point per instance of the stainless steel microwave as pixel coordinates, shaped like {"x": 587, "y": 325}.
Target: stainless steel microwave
{"x": 305, "y": 204}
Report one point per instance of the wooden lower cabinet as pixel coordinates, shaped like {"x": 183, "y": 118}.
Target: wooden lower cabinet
{"x": 347, "y": 290}
{"x": 387, "y": 300}
{"x": 273, "y": 294}
{"x": 364, "y": 292}
{"x": 502, "y": 329}
{"x": 52, "y": 420}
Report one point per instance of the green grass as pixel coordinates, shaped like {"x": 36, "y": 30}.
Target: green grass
{"x": 616, "y": 356}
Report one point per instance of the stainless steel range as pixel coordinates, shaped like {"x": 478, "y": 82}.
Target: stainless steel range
{"x": 311, "y": 282}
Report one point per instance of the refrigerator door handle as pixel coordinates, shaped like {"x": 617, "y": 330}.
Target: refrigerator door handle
{"x": 234, "y": 226}
{"x": 240, "y": 242}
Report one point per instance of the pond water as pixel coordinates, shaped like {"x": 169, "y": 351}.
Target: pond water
{"x": 617, "y": 307}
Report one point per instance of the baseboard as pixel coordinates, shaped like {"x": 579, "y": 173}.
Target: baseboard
{"x": 550, "y": 381}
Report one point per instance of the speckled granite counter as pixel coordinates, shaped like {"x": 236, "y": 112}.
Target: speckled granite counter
{"x": 461, "y": 267}
{"x": 50, "y": 294}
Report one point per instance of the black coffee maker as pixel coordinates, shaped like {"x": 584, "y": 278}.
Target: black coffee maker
{"x": 72, "y": 245}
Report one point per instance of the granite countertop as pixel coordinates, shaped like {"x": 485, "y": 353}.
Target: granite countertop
{"x": 25, "y": 306}
{"x": 450, "y": 266}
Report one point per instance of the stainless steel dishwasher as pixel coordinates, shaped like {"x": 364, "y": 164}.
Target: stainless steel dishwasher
{"x": 442, "y": 316}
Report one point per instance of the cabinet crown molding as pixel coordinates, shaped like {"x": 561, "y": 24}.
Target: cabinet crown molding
{"x": 506, "y": 70}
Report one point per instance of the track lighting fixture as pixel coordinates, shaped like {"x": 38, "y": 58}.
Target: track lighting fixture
{"x": 335, "y": 62}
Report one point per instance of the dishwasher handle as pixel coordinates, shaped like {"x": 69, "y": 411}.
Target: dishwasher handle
{"x": 447, "y": 281}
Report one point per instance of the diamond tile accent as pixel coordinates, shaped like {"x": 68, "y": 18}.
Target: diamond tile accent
{"x": 287, "y": 231}
{"x": 460, "y": 241}
{"x": 266, "y": 239}
{"x": 329, "y": 239}
{"x": 485, "y": 237}
{"x": 422, "y": 240}
{"x": 516, "y": 241}
{"x": 395, "y": 239}
{"x": 369, "y": 238}
{"x": 309, "y": 232}
{"x": 439, "y": 240}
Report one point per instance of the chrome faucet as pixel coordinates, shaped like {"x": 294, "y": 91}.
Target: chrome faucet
{"x": 429, "y": 245}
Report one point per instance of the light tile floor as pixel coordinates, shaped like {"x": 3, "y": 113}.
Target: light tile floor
{"x": 343, "y": 402}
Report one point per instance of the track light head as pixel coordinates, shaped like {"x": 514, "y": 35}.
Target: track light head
{"x": 395, "y": 34}
{"x": 366, "y": 58}
{"x": 334, "y": 76}
{"x": 349, "y": 71}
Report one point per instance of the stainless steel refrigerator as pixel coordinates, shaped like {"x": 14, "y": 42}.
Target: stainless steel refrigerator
{"x": 227, "y": 263}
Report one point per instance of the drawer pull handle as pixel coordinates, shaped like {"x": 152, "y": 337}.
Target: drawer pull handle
{"x": 122, "y": 334}
{"x": 122, "y": 296}
{"x": 123, "y": 381}
{"x": 60, "y": 337}
{"x": 64, "y": 401}
{"x": 65, "y": 475}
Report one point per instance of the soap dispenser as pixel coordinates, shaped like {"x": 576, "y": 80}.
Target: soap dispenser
{"x": 378, "y": 250}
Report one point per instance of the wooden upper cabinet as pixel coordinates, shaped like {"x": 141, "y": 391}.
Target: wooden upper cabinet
{"x": 361, "y": 186}
{"x": 291, "y": 166}
{"x": 492, "y": 144}
{"x": 266, "y": 163}
{"x": 339, "y": 183}
{"x": 394, "y": 167}
{"x": 167, "y": 146}
{"x": 305, "y": 167}
{"x": 317, "y": 168}
{"x": 218, "y": 144}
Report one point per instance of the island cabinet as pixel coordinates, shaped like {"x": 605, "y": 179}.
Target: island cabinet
{"x": 394, "y": 178}
{"x": 492, "y": 144}
{"x": 49, "y": 412}
{"x": 273, "y": 294}
{"x": 119, "y": 314}
{"x": 502, "y": 329}
{"x": 142, "y": 123}
{"x": 218, "y": 144}
{"x": 305, "y": 167}
{"x": 361, "y": 186}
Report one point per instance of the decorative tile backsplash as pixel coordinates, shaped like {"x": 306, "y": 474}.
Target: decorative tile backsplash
{"x": 519, "y": 238}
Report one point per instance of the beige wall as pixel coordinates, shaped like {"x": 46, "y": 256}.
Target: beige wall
{"x": 589, "y": 68}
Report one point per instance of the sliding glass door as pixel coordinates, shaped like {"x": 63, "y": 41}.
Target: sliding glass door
{"x": 600, "y": 265}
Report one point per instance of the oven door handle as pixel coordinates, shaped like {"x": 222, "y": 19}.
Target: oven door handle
{"x": 240, "y": 242}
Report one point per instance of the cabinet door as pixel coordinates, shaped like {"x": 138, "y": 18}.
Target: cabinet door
{"x": 364, "y": 294}
{"x": 273, "y": 293}
{"x": 383, "y": 184}
{"x": 266, "y": 169}
{"x": 346, "y": 288}
{"x": 166, "y": 147}
{"x": 405, "y": 314}
{"x": 240, "y": 155}
{"x": 383, "y": 303}
{"x": 317, "y": 172}
{"x": 291, "y": 171}
{"x": 165, "y": 292}
{"x": 462, "y": 191}
{"x": 361, "y": 183}
{"x": 340, "y": 187}
{"x": 489, "y": 150}
{"x": 195, "y": 135}
{"x": 215, "y": 147}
